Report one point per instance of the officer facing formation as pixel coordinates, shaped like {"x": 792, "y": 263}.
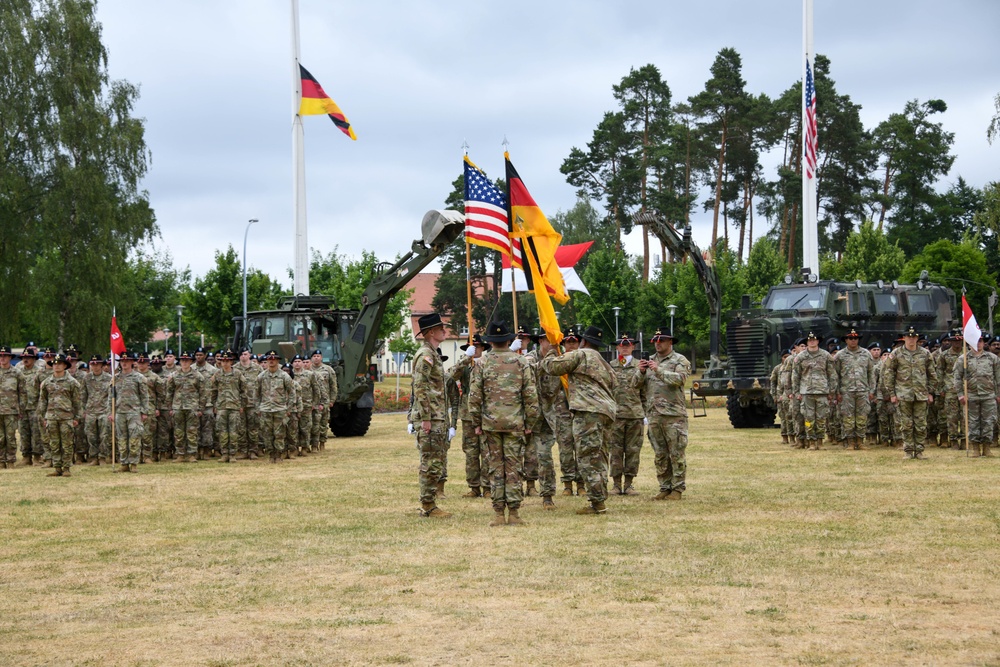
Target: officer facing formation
{"x": 814, "y": 383}
{"x": 909, "y": 375}
{"x": 856, "y": 388}
{"x": 429, "y": 412}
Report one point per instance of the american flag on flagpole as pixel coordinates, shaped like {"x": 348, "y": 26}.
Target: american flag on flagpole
{"x": 485, "y": 211}
{"x": 810, "y": 129}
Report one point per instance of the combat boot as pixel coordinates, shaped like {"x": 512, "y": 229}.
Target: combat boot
{"x": 530, "y": 489}
{"x": 629, "y": 490}
{"x": 973, "y": 450}
{"x": 784, "y": 439}
{"x": 133, "y": 467}
{"x": 56, "y": 472}
{"x": 473, "y": 492}
{"x": 662, "y": 495}
{"x": 547, "y": 503}
{"x": 513, "y": 519}
{"x": 674, "y": 495}
{"x": 66, "y": 472}
{"x": 800, "y": 442}
{"x": 225, "y": 459}
{"x": 617, "y": 489}
{"x": 430, "y": 510}
{"x": 440, "y": 489}
{"x": 47, "y": 464}
{"x": 581, "y": 489}
{"x": 287, "y": 454}
{"x": 243, "y": 457}
{"x": 498, "y": 519}
{"x": 872, "y": 440}
{"x": 122, "y": 468}
{"x": 813, "y": 445}
{"x": 986, "y": 449}
{"x": 595, "y": 508}
{"x": 95, "y": 462}
{"x": 567, "y": 488}
{"x": 898, "y": 444}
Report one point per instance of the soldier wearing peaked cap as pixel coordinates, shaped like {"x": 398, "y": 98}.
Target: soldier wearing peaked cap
{"x": 814, "y": 383}
{"x": 94, "y": 390}
{"x": 664, "y": 375}
{"x": 30, "y": 430}
{"x": 275, "y": 398}
{"x": 476, "y": 465}
{"x": 11, "y": 408}
{"x": 909, "y": 375}
{"x": 945, "y": 369}
{"x": 626, "y": 434}
{"x": 430, "y": 412}
{"x": 186, "y": 395}
{"x": 60, "y": 408}
{"x": 328, "y": 390}
{"x": 856, "y": 389}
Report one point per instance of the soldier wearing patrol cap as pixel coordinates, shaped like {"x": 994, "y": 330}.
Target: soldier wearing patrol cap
{"x": 132, "y": 408}
{"x": 909, "y": 374}
{"x": 60, "y": 409}
{"x": 874, "y": 414}
{"x": 625, "y": 436}
{"x": 30, "y": 431}
{"x": 11, "y": 408}
{"x": 206, "y": 424}
{"x": 80, "y": 446}
{"x": 794, "y": 401}
{"x": 94, "y": 390}
{"x": 186, "y": 396}
{"x": 814, "y": 383}
{"x": 529, "y": 467}
{"x": 45, "y": 372}
{"x": 307, "y": 386}
{"x": 977, "y": 380}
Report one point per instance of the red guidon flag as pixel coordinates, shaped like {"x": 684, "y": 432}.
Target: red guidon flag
{"x": 315, "y": 102}
{"x": 970, "y": 328}
{"x": 117, "y": 342}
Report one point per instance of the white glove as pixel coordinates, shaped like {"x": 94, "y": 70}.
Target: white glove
{"x": 516, "y": 345}
{"x": 645, "y": 420}
{"x": 409, "y": 429}
{"x": 451, "y": 432}
{"x": 470, "y": 351}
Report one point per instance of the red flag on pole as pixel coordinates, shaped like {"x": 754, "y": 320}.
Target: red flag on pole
{"x": 970, "y": 328}
{"x": 117, "y": 342}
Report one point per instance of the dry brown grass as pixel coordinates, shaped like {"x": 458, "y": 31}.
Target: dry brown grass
{"x": 773, "y": 557}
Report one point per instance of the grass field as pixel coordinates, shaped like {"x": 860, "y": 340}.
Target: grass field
{"x": 773, "y": 557}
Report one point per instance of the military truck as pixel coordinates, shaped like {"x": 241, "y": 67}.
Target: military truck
{"x": 347, "y": 338}
{"x": 756, "y": 335}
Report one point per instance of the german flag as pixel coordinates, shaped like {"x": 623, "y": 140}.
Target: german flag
{"x": 316, "y": 102}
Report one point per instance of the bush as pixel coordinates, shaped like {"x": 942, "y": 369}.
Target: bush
{"x": 385, "y": 401}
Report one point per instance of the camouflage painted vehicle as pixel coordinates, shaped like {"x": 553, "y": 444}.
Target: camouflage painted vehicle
{"x": 755, "y": 336}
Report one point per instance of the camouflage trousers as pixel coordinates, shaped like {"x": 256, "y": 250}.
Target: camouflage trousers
{"x": 542, "y": 440}
{"x": 934, "y": 417}
{"x": 31, "y": 436}
{"x": 61, "y": 441}
{"x": 305, "y": 428}
{"x": 912, "y": 416}
{"x": 562, "y": 426}
{"x": 476, "y": 463}
{"x": 444, "y": 463}
{"x": 833, "y": 425}
{"x": 433, "y": 447}
{"x": 129, "y": 431}
{"x": 815, "y": 410}
{"x": 783, "y": 414}
{"x": 80, "y": 445}
{"x": 8, "y": 437}
{"x": 669, "y": 437}
{"x": 982, "y": 419}
{"x": 272, "y": 431}
{"x": 872, "y": 426}
{"x": 228, "y": 431}
{"x": 185, "y": 432}
{"x": 854, "y": 407}
{"x": 44, "y": 432}
{"x": 149, "y": 436}
{"x": 529, "y": 466}
{"x": 955, "y": 416}
{"x": 625, "y": 445}
{"x": 888, "y": 425}
{"x": 163, "y": 441}
{"x": 590, "y": 433}
{"x": 797, "y": 423}
{"x": 206, "y": 430}
{"x": 98, "y": 430}
{"x": 317, "y": 430}
{"x": 505, "y": 452}
{"x": 292, "y": 432}
{"x": 250, "y": 435}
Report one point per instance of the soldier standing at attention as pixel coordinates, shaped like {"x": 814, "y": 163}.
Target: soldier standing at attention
{"x": 31, "y": 439}
{"x": 982, "y": 371}
{"x": 626, "y": 433}
{"x": 11, "y": 408}
{"x": 294, "y": 408}
{"x": 186, "y": 397}
{"x": 814, "y": 382}
{"x": 503, "y": 407}
{"x": 529, "y": 470}
{"x": 132, "y": 408}
{"x": 856, "y": 376}
{"x": 206, "y": 423}
{"x": 909, "y": 374}
{"x": 429, "y": 412}
{"x": 328, "y": 376}
{"x": 94, "y": 392}
{"x": 779, "y": 395}
{"x": 275, "y": 399}
{"x": 797, "y": 426}
{"x": 563, "y": 427}
{"x": 543, "y": 436}
{"x": 227, "y": 398}
{"x": 875, "y": 350}
{"x": 476, "y": 466}
{"x": 307, "y": 384}
{"x": 250, "y": 432}
{"x": 60, "y": 408}
{"x": 453, "y": 398}
{"x": 592, "y": 402}
{"x": 155, "y": 387}
{"x": 953, "y": 412}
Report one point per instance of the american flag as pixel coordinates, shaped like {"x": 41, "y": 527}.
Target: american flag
{"x": 485, "y": 211}
{"x": 809, "y": 136}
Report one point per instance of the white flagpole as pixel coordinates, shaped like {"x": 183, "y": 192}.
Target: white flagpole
{"x": 301, "y": 277}
{"x": 810, "y": 233}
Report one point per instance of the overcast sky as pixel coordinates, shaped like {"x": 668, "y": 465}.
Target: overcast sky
{"x": 418, "y": 79}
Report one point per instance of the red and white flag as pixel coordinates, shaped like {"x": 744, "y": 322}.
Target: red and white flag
{"x": 970, "y": 328}
{"x": 117, "y": 342}
{"x": 566, "y": 258}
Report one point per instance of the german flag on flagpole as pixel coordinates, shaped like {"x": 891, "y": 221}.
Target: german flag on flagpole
{"x": 315, "y": 102}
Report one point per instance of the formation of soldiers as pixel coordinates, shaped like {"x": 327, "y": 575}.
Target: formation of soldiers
{"x": 515, "y": 405}
{"x": 910, "y": 397}
{"x": 185, "y": 408}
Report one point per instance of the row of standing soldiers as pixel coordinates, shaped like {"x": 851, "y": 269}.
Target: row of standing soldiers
{"x": 909, "y": 397}
{"x": 180, "y": 408}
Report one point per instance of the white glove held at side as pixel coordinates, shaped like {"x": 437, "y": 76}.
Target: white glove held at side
{"x": 409, "y": 429}
{"x": 645, "y": 420}
{"x": 451, "y": 432}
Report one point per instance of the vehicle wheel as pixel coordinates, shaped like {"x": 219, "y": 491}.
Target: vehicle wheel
{"x": 755, "y": 415}
{"x": 350, "y": 421}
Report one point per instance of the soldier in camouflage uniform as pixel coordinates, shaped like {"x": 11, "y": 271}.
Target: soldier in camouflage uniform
{"x": 626, "y": 437}
{"x": 814, "y": 381}
{"x": 503, "y": 407}
{"x": 529, "y": 469}
{"x": 779, "y": 396}
{"x": 429, "y": 412}
{"x": 186, "y": 395}
{"x": 11, "y": 408}
{"x": 156, "y": 388}
{"x": 249, "y": 444}
{"x": 977, "y": 383}
{"x": 994, "y": 347}
{"x": 30, "y": 431}
{"x": 563, "y": 428}
{"x": 227, "y": 399}
{"x": 797, "y": 425}
{"x": 94, "y": 392}
{"x": 206, "y": 423}
{"x": 934, "y": 409}
{"x": 592, "y": 402}
{"x": 834, "y": 432}
{"x": 875, "y": 351}
{"x": 60, "y": 408}
{"x": 327, "y": 376}
{"x": 909, "y": 374}
{"x": 307, "y": 386}
{"x": 856, "y": 389}
{"x": 132, "y": 409}
{"x": 953, "y": 412}
{"x": 165, "y": 422}
{"x": 476, "y": 465}
{"x": 453, "y": 398}
{"x": 45, "y": 372}
{"x": 551, "y": 395}
{"x": 275, "y": 400}
{"x": 292, "y": 419}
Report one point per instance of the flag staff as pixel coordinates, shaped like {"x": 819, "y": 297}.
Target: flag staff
{"x": 114, "y": 396}
{"x": 511, "y": 223}
{"x": 965, "y": 369}
{"x": 468, "y": 262}
{"x": 810, "y": 241}
{"x": 301, "y": 274}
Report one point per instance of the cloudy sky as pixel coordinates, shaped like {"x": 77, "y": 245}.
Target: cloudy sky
{"x": 417, "y": 79}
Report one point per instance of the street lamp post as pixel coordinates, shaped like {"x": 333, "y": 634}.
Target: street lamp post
{"x": 673, "y": 309}
{"x": 617, "y": 310}
{"x": 166, "y": 340}
{"x": 245, "y": 234}
{"x": 180, "y": 335}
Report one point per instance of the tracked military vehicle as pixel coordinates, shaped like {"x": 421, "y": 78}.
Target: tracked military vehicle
{"x": 347, "y": 338}
{"x": 756, "y": 336}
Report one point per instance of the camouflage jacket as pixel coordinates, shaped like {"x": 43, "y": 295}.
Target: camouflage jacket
{"x": 630, "y": 389}
{"x": 132, "y": 395}
{"x": 461, "y": 373}
{"x": 275, "y": 392}
{"x": 206, "y": 371}
{"x": 227, "y": 391}
{"x": 185, "y": 391}
{"x": 454, "y": 397}
{"x": 551, "y": 397}
{"x": 297, "y": 391}
{"x": 775, "y": 384}
{"x": 814, "y": 373}
{"x": 909, "y": 376}
{"x": 249, "y": 373}
{"x": 11, "y": 391}
{"x": 855, "y": 371}
{"x": 785, "y": 377}
{"x": 429, "y": 400}
{"x": 591, "y": 380}
{"x": 167, "y": 372}
{"x": 59, "y": 398}
{"x": 157, "y": 390}
{"x": 503, "y": 396}
{"x": 326, "y": 377}
{"x": 983, "y": 373}
{"x": 310, "y": 385}
{"x": 665, "y": 386}
{"x": 32, "y": 381}
{"x": 94, "y": 392}
{"x": 945, "y": 369}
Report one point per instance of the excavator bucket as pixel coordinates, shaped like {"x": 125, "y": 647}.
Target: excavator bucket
{"x": 439, "y": 228}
